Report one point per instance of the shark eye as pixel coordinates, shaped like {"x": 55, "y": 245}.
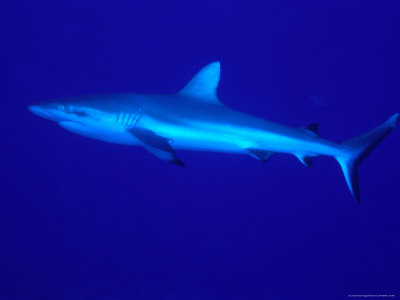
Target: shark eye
{"x": 61, "y": 107}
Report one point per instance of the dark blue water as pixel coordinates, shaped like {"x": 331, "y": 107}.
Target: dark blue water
{"x": 83, "y": 219}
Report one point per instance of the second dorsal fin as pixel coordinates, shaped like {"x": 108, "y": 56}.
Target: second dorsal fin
{"x": 204, "y": 84}
{"x": 311, "y": 128}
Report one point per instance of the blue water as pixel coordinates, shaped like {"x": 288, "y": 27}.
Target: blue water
{"x": 83, "y": 219}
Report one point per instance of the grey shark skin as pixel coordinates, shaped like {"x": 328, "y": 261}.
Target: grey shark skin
{"x": 194, "y": 119}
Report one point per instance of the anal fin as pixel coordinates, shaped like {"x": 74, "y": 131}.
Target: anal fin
{"x": 259, "y": 154}
{"x": 306, "y": 159}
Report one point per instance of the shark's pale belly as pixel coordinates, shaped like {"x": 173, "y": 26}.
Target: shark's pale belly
{"x": 205, "y": 139}
{"x": 106, "y": 134}
{"x": 186, "y": 139}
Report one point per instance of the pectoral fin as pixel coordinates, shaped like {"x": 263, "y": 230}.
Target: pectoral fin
{"x": 156, "y": 144}
{"x": 167, "y": 156}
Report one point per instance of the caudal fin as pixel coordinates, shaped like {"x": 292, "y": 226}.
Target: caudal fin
{"x": 356, "y": 149}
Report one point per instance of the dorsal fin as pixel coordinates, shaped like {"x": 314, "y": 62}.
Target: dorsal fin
{"x": 311, "y": 128}
{"x": 204, "y": 84}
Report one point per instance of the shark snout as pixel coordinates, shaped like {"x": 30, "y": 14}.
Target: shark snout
{"x": 49, "y": 111}
{"x": 34, "y": 108}
{"x": 39, "y": 111}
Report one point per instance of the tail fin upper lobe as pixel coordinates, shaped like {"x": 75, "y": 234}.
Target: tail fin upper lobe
{"x": 356, "y": 149}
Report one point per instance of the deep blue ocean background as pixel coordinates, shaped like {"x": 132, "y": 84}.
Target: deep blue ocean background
{"x": 83, "y": 219}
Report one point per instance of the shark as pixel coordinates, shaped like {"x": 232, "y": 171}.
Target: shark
{"x": 195, "y": 119}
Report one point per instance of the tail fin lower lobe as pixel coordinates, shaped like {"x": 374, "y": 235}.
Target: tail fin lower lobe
{"x": 356, "y": 149}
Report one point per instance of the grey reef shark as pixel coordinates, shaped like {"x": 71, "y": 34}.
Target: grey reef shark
{"x": 195, "y": 119}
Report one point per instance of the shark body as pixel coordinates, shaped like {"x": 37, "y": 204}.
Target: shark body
{"x": 195, "y": 119}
